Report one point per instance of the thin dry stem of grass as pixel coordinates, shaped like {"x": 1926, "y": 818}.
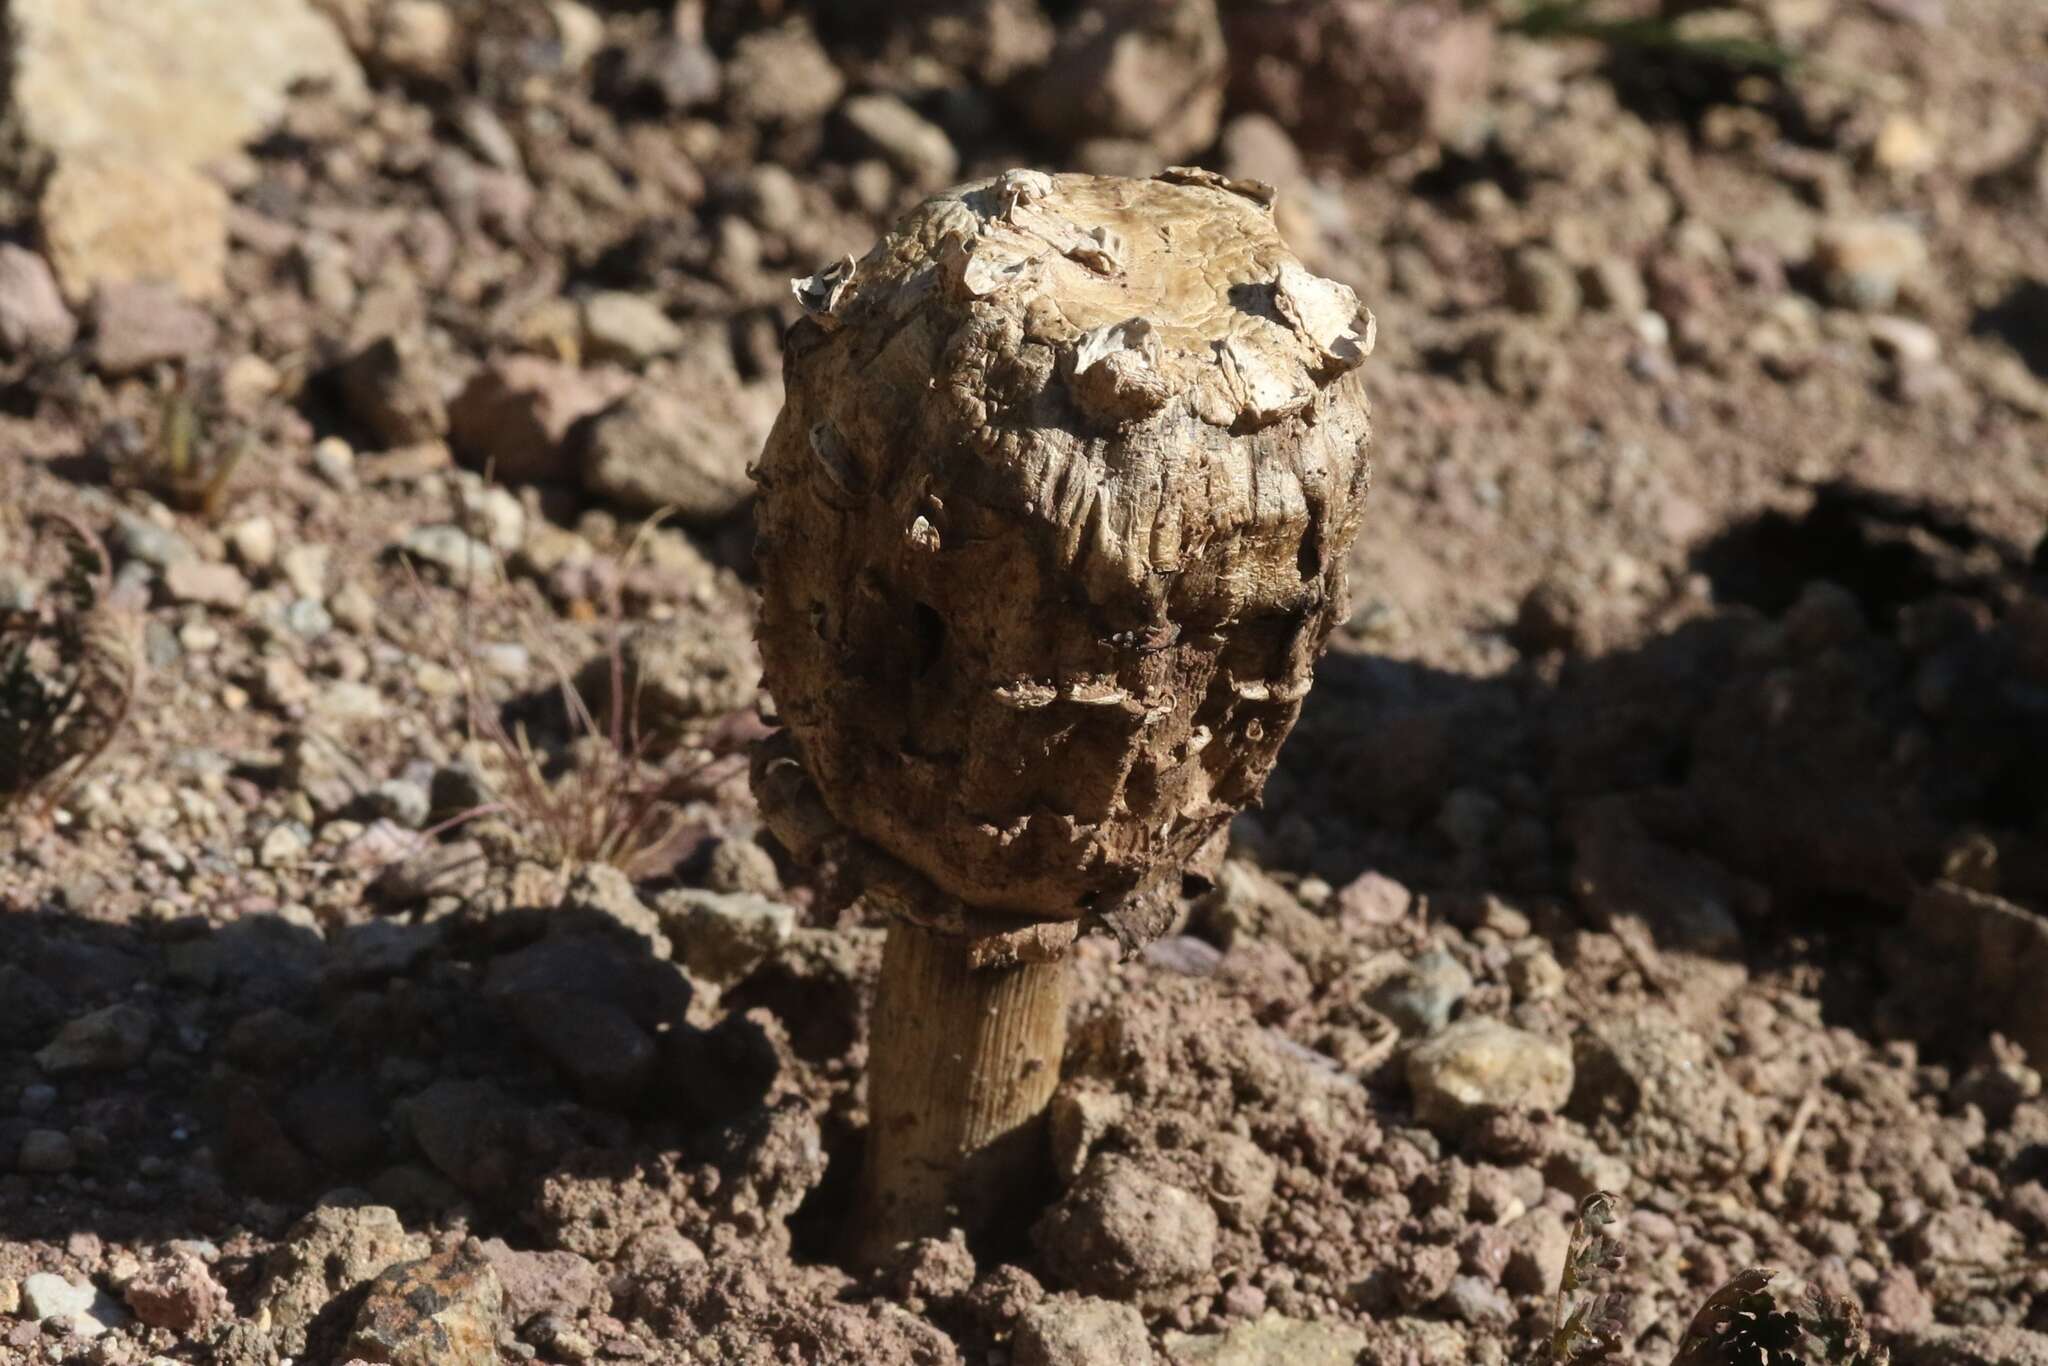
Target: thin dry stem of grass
{"x": 610, "y": 804}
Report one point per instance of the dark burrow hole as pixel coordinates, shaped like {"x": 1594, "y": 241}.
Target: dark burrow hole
{"x": 1886, "y": 550}
{"x": 2020, "y": 320}
{"x": 1457, "y": 170}
{"x": 928, "y": 633}
{"x": 818, "y": 1228}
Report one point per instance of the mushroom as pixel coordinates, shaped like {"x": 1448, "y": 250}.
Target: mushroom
{"x": 1051, "y": 531}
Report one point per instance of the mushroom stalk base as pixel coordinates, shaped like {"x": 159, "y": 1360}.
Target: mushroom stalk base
{"x": 962, "y": 1062}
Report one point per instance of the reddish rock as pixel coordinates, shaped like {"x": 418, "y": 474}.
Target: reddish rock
{"x": 513, "y": 416}
{"x": 177, "y": 1293}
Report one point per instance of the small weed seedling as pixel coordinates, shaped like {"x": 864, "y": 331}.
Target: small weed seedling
{"x": 1741, "y": 1324}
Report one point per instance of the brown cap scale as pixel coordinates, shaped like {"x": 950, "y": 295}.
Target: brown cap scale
{"x": 1051, "y": 531}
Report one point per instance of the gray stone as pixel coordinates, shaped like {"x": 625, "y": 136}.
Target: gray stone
{"x": 593, "y": 1006}
{"x": 1421, "y": 999}
{"x": 104, "y": 1041}
{"x": 628, "y": 327}
{"x": 450, "y": 549}
{"x": 267, "y": 959}
{"x": 307, "y": 619}
{"x": 284, "y": 844}
{"x": 45, "y": 1296}
{"x": 1983, "y": 956}
{"x": 380, "y": 949}
{"x": 90, "y": 1312}
{"x": 401, "y": 801}
{"x": 254, "y": 542}
{"x": 1538, "y": 1243}
{"x": 1542, "y": 284}
{"x": 723, "y": 936}
{"x": 1149, "y": 76}
{"x": 600, "y": 890}
{"x": 143, "y": 540}
{"x": 1616, "y": 284}
{"x": 1478, "y": 1304}
{"x": 1482, "y": 1064}
{"x": 742, "y": 865}
{"x": 455, "y": 869}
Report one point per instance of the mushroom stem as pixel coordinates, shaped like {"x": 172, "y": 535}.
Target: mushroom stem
{"x": 961, "y": 1065}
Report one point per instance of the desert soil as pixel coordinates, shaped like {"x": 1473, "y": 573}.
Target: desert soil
{"x": 1670, "y": 816}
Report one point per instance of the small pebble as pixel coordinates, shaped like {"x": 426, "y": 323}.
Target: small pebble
{"x": 335, "y": 461}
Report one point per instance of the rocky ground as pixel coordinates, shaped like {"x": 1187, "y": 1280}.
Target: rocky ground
{"x": 1669, "y": 818}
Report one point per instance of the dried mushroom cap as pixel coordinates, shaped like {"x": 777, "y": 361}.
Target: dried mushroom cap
{"x": 1052, "y": 528}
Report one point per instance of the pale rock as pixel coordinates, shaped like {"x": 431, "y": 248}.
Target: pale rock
{"x": 1270, "y": 1340}
{"x": 1079, "y": 1331}
{"x": 456, "y": 553}
{"x": 1904, "y": 147}
{"x": 45, "y": 1296}
{"x": 1481, "y": 1064}
{"x": 684, "y": 444}
{"x": 171, "y": 83}
{"x": 918, "y": 148}
{"x": 721, "y": 937}
{"x": 493, "y": 515}
{"x": 1906, "y": 341}
{"x": 207, "y": 584}
{"x": 418, "y": 38}
{"x": 335, "y": 461}
{"x": 627, "y": 327}
{"x": 580, "y": 31}
{"x": 1864, "y": 262}
{"x": 305, "y": 568}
